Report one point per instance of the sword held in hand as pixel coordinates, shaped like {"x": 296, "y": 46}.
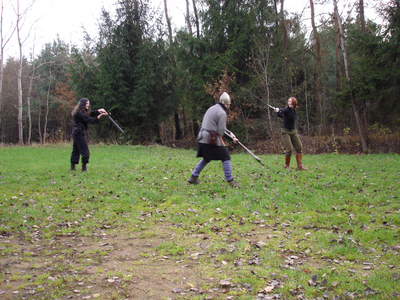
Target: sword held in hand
{"x": 111, "y": 119}
{"x": 274, "y": 108}
{"x": 233, "y": 137}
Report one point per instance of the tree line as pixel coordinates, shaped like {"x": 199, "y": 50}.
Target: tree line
{"x": 157, "y": 83}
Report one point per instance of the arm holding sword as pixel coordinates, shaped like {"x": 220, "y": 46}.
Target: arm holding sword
{"x": 103, "y": 112}
{"x": 83, "y": 116}
{"x": 289, "y": 133}
{"x": 232, "y": 136}
{"x": 210, "y": 145}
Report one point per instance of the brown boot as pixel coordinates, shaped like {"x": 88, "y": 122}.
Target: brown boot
{"x": 194, "y": 179}
{"x": 287, "y": 162}
{"x": 84, "y": 168}
{"x": 299, "y": 158}
{"x": 73, "y": 167}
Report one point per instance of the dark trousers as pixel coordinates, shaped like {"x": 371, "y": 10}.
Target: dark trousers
{"x": 80, "y": 147}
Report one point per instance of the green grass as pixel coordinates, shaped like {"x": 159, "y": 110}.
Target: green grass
{"x": 340, "y": 215}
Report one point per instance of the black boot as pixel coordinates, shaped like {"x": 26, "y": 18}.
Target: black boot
{"x": 233, "y": 183}
{"x": 84, "y": 167}
{"x": 73, "y": 167}
{"x": 193, "y": 179}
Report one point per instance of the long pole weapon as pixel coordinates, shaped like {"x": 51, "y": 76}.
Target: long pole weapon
{"x": 111, "y": 119}
{"x": 230, "y": 134}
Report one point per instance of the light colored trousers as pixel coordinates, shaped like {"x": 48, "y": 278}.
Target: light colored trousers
{"x": 291, "y": 140}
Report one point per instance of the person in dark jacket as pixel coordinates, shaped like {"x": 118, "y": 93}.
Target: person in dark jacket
{"x": 210, "y": 145}
{"x": 289, "y": 133}
{"x": 82, "y": 117}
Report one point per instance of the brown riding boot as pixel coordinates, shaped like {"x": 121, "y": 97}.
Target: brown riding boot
{"x": 287, "y": 162}
{"x": 73, "y": 167}
{"x": 84, "y": 168}
{"x": 299, "y": 158}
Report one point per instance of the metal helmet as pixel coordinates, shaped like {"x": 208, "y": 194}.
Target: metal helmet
{"x": 225, "y": 99}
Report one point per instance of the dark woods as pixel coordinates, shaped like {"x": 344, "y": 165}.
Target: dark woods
{"x": 158, "y": 83}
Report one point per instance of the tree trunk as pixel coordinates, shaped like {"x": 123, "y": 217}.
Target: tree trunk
{"x": 337, "y": 50}
{"x": 317, "y": 76}
{"x": 285, "y": 39}
{"x": 176, "y": 115}
{"x": 306, "y": 96}
{"x": 346, "y": 66}
{"x": 188, "y": 18}
{"x": 364, "y": 31}
{"x": 362, "y": 16}
{"x": 29, "y": 98}
{"x": 47, "y": 112}
{"x": 168, "y": 21}
{"x": 39, "y": 126}
{"x": 178, "y": 131}
{"x": 365, "y": 122}
{"x": 29, "y": 106}
{"x": 19, "y": 81}
{"x": 196, "y": 18}
{"x": 20, "y": 22}
{"x": 3, "y": 43}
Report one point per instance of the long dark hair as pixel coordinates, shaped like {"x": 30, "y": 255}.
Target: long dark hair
{"x": 81, "y": 106}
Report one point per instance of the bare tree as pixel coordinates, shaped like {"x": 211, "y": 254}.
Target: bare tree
{"x": 364, "y": 105}
{"x": 168, "y": 21}
{"x": 21, "y": 17}
{"x": 31, "y": 77}
{"x": 4, "y": 39}
{"x": 362, "y": 16}
{"x": 261, "y": 66}
{"x": 337, "y": 50}
{"x": 178, "y": 131}
{"x": 188, "y": 18}
{"x": 285, "y": 37}
{"x": 318, "y": 72}
{"x": 47, "y": 110}
{"x": 346, "y": 67}
{"x": 196, "y": 15}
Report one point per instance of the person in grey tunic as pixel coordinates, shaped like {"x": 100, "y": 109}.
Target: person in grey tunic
{"x": 210, "y": 145}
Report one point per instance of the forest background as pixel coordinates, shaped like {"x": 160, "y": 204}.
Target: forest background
{"x": 158, "y": 83}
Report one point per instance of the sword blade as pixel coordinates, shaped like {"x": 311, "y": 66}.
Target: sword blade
{"x": 227, "y": 132}
{"x": 251, "y": 153}
{"x": 111, "y": 119}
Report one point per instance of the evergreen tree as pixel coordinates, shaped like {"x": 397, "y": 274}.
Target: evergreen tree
{"x": 131, "y": 75}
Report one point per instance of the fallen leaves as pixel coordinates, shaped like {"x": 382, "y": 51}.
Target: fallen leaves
{"x": 395, "y": 276}
{"x": 314, "y": 281}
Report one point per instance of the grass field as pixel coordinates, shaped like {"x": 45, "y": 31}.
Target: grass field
{"x": 132, "y": 227}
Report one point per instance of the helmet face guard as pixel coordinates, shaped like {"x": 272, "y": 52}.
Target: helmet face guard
{"x": 225, "y": 99}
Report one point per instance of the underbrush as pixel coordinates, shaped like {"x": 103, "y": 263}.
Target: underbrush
{"x": 345, "y": 144}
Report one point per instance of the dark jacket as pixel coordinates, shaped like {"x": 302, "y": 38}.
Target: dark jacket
{"x": 289, "y": 117}
{"x": 81, "y": 120}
